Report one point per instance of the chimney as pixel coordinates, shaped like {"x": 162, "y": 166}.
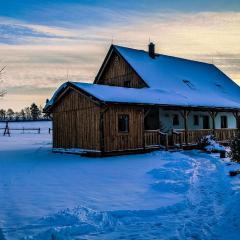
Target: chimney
{"x": 151, "y": 50}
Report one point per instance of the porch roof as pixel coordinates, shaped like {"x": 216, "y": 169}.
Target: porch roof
{"x": 149, "y": 96}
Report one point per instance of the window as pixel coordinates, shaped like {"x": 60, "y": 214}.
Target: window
{"x": 175, "y": 120}
{"x": 127, "y": 84}
{"x": 189, "y": 84}
{"x": 123, "y": 123}
{"x": 224, "y": 123}
{"x": 195, "y": 120}
{"x": 220, "y": 87}
{"x": 116, "y": 59}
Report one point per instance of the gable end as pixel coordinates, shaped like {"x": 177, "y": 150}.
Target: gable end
{"x": 116, "y": 71}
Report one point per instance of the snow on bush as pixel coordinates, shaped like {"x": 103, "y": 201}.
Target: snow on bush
{"x": 209, "y": 144}
{"x": 235, "y": 148}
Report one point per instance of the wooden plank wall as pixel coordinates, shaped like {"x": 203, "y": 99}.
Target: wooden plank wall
{"x": 115, "y": 141}
{"x": 117, "y": 71}
{"x": 76, "y": 122}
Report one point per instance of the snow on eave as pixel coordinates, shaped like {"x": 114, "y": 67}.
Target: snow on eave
{"x": 105, "y": 94}
{"x": 64, "y": 87}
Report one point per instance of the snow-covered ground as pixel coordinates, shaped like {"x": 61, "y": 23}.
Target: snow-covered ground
{"x": 160, "y": 195}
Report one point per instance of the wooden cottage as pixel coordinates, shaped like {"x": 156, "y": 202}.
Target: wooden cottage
{"x": 141, "y": 101}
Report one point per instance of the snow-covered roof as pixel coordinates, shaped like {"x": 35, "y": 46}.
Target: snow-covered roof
{"x": 171, "y": 81}
{"x": 112, "y": 94}
{"x": 192, "y": 79}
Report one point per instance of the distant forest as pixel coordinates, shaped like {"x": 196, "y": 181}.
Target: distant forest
{"x": 33, "y": 113}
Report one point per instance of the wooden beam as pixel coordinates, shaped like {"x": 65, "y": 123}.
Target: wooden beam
{"x": 101, "y": 128}
{"x": 213, "y": 114}
{"x": 143, "y": 129}
{"x": 236, "y": 115}
{"x": 185, "y": 115}
{"x": 146, "y": 113}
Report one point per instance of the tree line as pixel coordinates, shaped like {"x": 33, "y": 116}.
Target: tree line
{"x": 33, "y": 112}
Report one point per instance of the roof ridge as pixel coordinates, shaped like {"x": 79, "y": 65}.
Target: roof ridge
{"x": 165, "y": 55}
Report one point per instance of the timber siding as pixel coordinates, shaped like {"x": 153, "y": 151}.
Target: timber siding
{"x": 117, "y": 72}
{"x": 76, "y": 122}
{"x": 116, "y": 141}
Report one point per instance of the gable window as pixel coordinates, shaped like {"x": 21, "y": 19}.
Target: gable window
{"x": 195, "y": 120}
{"x": 116, "y": 59}
{"x": 224, "y": 123}
{"x": 123, "y": 123}
{"x": 127, "y": 83}
{"x": 175, "y": 120}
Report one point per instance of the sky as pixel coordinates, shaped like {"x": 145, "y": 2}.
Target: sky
{"x": 45, "y": 43}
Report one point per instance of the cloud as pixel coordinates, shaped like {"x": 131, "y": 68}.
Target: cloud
{"x": 43, "y": 56}
{"x": 19, "y": 33}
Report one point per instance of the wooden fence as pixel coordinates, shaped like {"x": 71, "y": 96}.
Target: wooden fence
{"x": 24, "y": 130}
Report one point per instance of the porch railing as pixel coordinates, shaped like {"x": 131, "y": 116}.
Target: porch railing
{"x": 192, "y": 136}
{"x": 158, "y": 139}
{"x": 155, "y": 139}
{"x": 225, "y": 134}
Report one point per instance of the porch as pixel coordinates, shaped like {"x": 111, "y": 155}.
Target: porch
{"x": 182, "y": 138}
{"x": 169, "y": 127}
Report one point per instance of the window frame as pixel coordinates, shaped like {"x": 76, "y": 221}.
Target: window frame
{"x": 127, "y": 123}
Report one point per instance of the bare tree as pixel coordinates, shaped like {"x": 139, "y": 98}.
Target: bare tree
{"x": 2, "y": 91}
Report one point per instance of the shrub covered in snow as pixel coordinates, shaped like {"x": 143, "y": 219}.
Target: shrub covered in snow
{"x": 235, "y": 148}
{"x": 209, "y": 144}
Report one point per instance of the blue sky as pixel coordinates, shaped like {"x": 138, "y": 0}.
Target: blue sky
{"x": 44, "y": 43}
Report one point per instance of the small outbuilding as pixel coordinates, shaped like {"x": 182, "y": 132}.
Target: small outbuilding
{"x": 142, "y": 101}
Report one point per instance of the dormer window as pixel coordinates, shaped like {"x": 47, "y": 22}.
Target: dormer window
{"x": 189, "y": 84}
{"x": 220, "y": 87}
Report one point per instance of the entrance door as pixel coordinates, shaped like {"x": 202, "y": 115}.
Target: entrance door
{"x": 206, "y": 122}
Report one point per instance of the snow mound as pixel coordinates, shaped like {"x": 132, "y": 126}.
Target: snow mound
{"x": 76, "y": 222}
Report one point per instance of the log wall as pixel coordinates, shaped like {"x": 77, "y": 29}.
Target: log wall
{"x": 76, "y": 122}
{"x": 117, "y": 72}
{"x": 117, "y": 141}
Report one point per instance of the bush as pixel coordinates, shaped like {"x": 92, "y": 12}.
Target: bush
{"x": 209, "y": 144}
{"x": 235, "y": 148}
{"x": 205, "y": 141}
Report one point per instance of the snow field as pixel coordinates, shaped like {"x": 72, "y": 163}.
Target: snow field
{"x": 160, "y": 195}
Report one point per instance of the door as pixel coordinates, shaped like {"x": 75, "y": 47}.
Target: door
{"x": 206, "y": 122}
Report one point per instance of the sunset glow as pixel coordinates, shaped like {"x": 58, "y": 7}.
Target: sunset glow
{"x": 44, "y": 45}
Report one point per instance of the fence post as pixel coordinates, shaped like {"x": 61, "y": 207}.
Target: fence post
{"x": 180, "y": 140}
{"x": 6, "y": 130}
{"x": 166, "y": 143}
